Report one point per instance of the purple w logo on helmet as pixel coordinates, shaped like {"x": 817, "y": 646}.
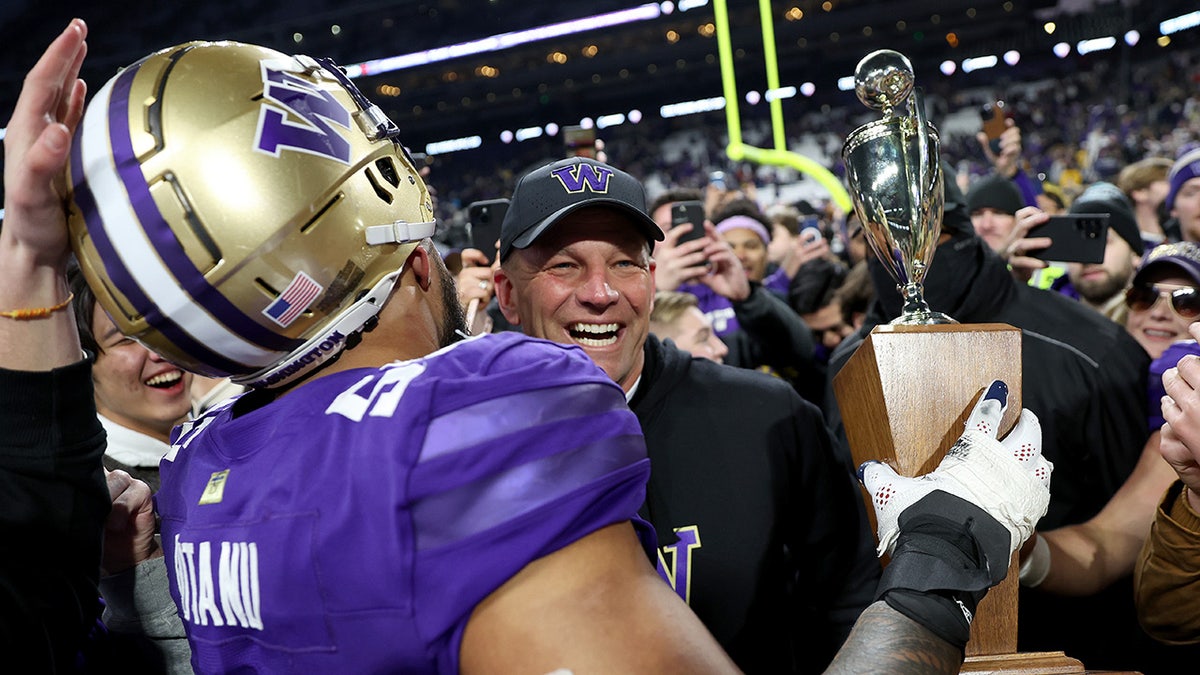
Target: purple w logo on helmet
{"x": 582, "y": 177}
{"x": 314, "y": 106}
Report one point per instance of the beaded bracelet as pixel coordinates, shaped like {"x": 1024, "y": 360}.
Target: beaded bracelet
{"x": 36, "y": 312}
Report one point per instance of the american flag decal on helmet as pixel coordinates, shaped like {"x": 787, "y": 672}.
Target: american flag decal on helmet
{"x": 296, "y": 298}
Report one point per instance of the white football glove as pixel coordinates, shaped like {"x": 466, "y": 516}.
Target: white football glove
{"x": 1009, "y": 479}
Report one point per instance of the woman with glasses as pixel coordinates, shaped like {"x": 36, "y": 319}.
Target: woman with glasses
{"x": 1164, "y": 299}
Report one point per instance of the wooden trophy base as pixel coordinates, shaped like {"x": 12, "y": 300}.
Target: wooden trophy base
{"x": 904, "y": 396}
{"x": 1032, "y": 663}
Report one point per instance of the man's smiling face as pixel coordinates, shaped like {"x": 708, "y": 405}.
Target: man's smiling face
{"x": 587, "y": 281}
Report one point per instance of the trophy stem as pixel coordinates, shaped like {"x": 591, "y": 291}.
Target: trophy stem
{"x": 916, "y": 311}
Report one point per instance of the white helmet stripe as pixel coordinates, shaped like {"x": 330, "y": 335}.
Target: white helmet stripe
{"x": 138, "y": 255}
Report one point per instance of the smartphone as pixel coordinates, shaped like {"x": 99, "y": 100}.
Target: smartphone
{"x": 688, "y": 212}
{"x": 994, "y": 116}
{"x": 485, "y": 218}
{"x": 1076, "y": 237}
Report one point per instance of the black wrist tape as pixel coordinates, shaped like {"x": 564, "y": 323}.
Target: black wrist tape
{"x": 948, "y": 554}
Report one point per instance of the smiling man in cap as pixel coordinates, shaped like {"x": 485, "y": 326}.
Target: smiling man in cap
{"x": 745, "y": 492}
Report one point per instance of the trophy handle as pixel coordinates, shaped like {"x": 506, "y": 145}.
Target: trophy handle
{"x": 928, "y": 169}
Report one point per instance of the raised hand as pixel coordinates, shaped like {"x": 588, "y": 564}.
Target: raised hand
{"x": 38, "y": 328}
{"x": 36, "y": 145}
{"x": 679, "y": 263}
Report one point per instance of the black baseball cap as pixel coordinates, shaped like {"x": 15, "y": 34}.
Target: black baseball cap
{"x": 550, "y": 193}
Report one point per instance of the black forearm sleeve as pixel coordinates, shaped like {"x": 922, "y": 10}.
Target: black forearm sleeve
{"x": 948, "y": 554}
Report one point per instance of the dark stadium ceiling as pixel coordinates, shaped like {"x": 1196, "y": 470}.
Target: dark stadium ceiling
{"x": 633, "y": 66}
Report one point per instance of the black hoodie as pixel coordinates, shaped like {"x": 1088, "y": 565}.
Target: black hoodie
{"x": 743, "y": 466}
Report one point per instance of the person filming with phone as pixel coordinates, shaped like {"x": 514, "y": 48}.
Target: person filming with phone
{"x": 1102, "y": 285}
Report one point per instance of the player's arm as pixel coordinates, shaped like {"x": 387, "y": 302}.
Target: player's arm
{"x": 594, "y": 606}
{"x": 886, "y": 641}
{"x": 37, "y": 330}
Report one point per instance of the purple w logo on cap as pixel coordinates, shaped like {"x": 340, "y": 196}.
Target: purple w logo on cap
{"x": 313, "y": 106}
{"x": 583, "y": 176}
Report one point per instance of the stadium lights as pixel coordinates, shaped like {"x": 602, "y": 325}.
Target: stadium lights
{"x": 1132, "y": 37}
{"x": 780, "y": 93}
{"x": 605, "y": 121}
{"x": 753, "y": 97}
{"x": 808, "y": 89}
{"x": 693, "y": 107}
{"x": 528, "y": 133}
{"x": 1062, "y": 49}
{"x": 979, "y": 63}
{"x": 1012, "y": 57}
{"x": 453, "y": 145}
{"x": 552, "y": 129}
{"x": 587, "y": 123}
{"x": 1181, "y": 22}
{"x": 948, "y": 67}
{"x": 1095, "y": 45}
{"x": 846, "y": 83}
{"x": 506, "y": 136}
{"x": 685, "y": 5}
{"x": 495, "y": 43}
{"x": 635, "y": 116}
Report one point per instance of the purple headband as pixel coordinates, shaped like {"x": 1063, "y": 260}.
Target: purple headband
{"x": 747, "y": 223}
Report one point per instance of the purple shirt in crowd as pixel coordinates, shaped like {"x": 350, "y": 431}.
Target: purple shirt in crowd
{"x": 719, "y": 309}
{"x": 353, "y": 524}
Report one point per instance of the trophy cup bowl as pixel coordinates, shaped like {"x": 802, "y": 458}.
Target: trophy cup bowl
{"x": 896, "y": 180}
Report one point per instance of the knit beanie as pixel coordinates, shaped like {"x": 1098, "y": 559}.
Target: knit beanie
{"x": 1108, "y": 198}
{"x": 994, "y": 192}
{"x": 1187, "y": 167}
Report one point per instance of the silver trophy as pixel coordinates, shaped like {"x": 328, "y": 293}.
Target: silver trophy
{"x": 896, "y": 179}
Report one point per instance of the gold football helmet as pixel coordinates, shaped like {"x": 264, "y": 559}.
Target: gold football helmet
{"x": 240, "y": 211}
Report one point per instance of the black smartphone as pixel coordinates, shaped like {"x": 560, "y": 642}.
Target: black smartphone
{"x": 688, "y": 212}
{"x": 485, "y": 218}
{"x": 1076, "y": 237}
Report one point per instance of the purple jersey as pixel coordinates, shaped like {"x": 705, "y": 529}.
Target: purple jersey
{"x": 353, "y": 524}
{"x": 718, "y": 308}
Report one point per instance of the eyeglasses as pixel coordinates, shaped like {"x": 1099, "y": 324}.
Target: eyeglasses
{"x": 1185, "y": 300}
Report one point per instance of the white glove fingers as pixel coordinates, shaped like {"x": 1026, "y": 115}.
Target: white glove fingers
{"x": 1025, "y": 439}
{"x": 882, "y": 483}
{"x": 985, "y": 416}
{"x": 890, "y": 493}
{"x": 1042, "y": 469}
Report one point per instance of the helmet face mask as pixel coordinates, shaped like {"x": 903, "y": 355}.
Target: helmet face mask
{"x": 221, "y": 200}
